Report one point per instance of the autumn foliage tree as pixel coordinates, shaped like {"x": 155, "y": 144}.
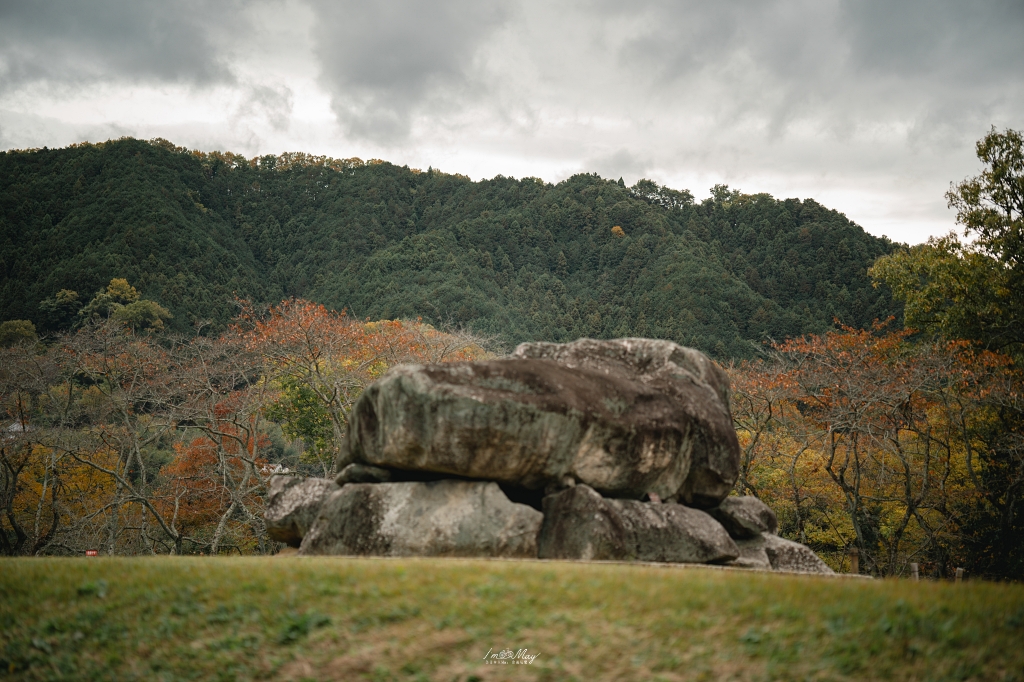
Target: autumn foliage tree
{"x": 128, "y": 440}
{"x": 98, "y": 455}
{"x": 862, "y": 439}
{"x": 319, "y": 361}
{"x": 215, "y": 483}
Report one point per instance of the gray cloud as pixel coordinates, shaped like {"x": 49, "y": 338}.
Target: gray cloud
{"x": 622, "y": 163}
{"x": 848, "y": 63}
{"x": 267, "y": 103}
{"x": 381, "y": 59}
{"x": 962, "y": 43}
{"x": 73, "y": 43}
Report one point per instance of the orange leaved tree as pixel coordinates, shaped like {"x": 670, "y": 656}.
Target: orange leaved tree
{"x": 128, "y": 443}
{"x": 317, "y": 363}
{"x": 862, "y": 439}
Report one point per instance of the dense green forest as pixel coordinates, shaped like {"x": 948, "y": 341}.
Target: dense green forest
{"x": 513, "y": 259}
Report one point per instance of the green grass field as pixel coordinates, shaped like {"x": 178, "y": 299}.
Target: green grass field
{"x": 435, "y": 619}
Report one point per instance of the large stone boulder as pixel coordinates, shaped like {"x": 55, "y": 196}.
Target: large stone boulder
{"x": 292, "y": 505}
{"x": 580, "y": 524}
{"x": 435, "y": 518}
{"x": 627, "y": 417}
{"x": 745, "y": 517}
{"x": 782, "y": 554}
{"x": 699, "y": 387}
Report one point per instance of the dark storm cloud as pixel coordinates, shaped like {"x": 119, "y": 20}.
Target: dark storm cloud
{"x": 910, "y": 38}
{"x": 71, "y": 42}
{"x": 848, "y": 62}
{"x": 381, "y": 59}
{"x": 980, "y": 40}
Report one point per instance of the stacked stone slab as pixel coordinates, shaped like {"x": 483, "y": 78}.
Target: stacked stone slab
{"x": 752, "y": 524}
{"x": 593, "y": 427}
{"x": 581, "y": 524}
{"x": 435, "y": 518}
{"x": 293, "y": 504}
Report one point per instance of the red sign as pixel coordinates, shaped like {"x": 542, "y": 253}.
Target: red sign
{"x": 91, "y": 552}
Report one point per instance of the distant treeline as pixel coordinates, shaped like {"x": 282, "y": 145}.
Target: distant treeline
{"x": 512, "y": 259}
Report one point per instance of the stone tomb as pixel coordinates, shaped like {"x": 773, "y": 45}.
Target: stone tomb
{"x": 587, "y": 437}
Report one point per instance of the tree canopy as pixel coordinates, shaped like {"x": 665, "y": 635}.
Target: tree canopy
{"x": 972, "y": 290}
{"x": 514, "y": 259}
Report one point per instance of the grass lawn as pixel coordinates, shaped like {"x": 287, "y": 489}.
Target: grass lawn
{"x": 292, "y": 618}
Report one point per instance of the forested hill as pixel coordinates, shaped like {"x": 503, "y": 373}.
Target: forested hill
{"x": 518, "y": 259}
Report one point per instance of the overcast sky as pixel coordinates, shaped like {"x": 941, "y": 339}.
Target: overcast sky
{"x": 870, "y": 107}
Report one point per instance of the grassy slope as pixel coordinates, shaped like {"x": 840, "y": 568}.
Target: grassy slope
{"x": 338, "y": 618}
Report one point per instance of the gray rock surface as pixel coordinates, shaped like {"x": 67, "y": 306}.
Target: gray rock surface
{"x": 435, "y": 518}
{"x": 752, "y": 555}
{"x": 292, "y": 505}
{"x": 783, "y": 554}
{"x": 625, "y": 417}
{"x": 580, "y": 524}
{"x": 685, "y": 374}
{"x": 786, "y": 555}
{"x": 745, "y": 517}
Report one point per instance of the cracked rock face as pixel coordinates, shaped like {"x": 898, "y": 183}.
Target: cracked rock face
{"x": 580, "y": 524}
{"x": 745, "y": 517}
{"x": 435, "y": 518}
{"x": 626, "y": 417}
{"x": 699, "y": 387}
{"x": 293, "y": 503}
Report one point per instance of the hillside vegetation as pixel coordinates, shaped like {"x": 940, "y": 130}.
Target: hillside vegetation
{"x": 436, "y": 619}
{"x": 514, "y": 259}
{"x": 126, "y": 436}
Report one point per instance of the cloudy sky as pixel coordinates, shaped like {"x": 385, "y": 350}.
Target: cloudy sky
{"x": 870, "y": 107}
